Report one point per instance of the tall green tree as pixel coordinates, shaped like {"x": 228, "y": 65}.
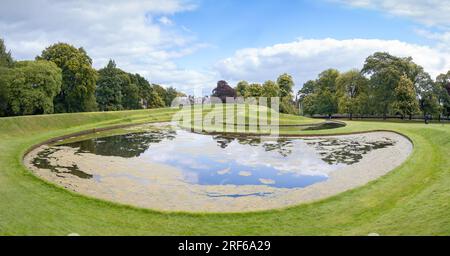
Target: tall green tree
{"x": 405, "y": 102}
{"x": 130, "y": 91}
{"x": 79, "y": 78}
{"x": 429, "y": 104}
{"x": 5, "y": 80}
{"x": 325, "y": 103}
{"x": 351, "y": 90}
{"x": 287, "y": 106}
{"x": 309, "y": 104}
{"x": 154, "y": 96}
{"x": 270, "y": 89}
{"x": 304, "y": 99}
{"x": 145, "y": 89}
{"x": 171, "y": 94}
{"x": 155, "y": 100}
{"x": 443, "y": 86}
{"x": 31, "y": 87}
{"x": 385, "y": 71}
{"x": 160, "y": 91}
{"x": 326, "y": 99}
{"x": 6, "y": 62}
{"x": 446, "y": 100}
{"x": 308, "y": 88}
{"x": 109, "y": 88}
{"x": 254, "y": 90}
{"x": 320, "y": 96}
{"x": 327, "y": 80}
{"x": 5, "y": 56}
{"x": 428, "y": 92}
{"x": 286, "y": 84}
{"x": 241, "y": 88}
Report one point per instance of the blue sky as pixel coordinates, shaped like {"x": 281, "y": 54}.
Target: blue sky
{"x": 230, "y": 25}
{"x": 193, "y": 43}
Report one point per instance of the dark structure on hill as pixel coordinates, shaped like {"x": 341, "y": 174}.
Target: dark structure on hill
{"x": 223, "y": 90}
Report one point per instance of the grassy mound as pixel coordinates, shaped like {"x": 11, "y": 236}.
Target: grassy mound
{"x": 240, "y": 118}
{"x": 413, "y": 199}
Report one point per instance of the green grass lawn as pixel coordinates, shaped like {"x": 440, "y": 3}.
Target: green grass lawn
{"x": 414, "y": 199}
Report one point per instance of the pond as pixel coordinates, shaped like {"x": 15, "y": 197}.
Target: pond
{"x": 163, "y": 167}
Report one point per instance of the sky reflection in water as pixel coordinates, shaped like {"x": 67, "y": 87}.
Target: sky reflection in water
{"x": 223, "y": 160}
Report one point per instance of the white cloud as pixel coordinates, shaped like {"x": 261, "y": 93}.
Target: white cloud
{"x": 432, "y": 13}
{"x": 429, "y": 12}
{"x": 165, "y": 21}
{"x": 442, "y": 39}
{"x": 306, "y": 58}
{"x": 122, "y": 30}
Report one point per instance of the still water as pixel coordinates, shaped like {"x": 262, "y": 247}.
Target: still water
{"x": 223, "y": 160}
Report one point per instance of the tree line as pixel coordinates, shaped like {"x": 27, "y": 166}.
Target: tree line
{"x": 62, "y": 80}
{"x": 386, "y": 85}
{"x": 282, "y": 88}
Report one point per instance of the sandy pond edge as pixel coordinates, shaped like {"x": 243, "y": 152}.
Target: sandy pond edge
{"x": 196, "y": 212}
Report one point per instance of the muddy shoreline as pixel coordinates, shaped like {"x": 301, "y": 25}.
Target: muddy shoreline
{"x": 160, "y": 186}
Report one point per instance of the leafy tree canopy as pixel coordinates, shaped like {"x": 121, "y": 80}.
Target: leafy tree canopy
{"x": 254, "y": 90}
{"x": 286, "y": 84}
{"x": 351, "y": 91}
{"x": 5, "y": 56}
{"x": 223, "y": 90}
{"x": 109, "y": 88}
{"x": 385, "y": 72}
{"x": 270, "y": 89}
{"x": 405, "y": 97}
{"x": 29, "y": 87}
{"x": 79, "y": 78}
{"x": 241, "y": 88}
{"x": 327, "y": 80}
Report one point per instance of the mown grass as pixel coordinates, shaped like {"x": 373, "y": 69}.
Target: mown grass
{"x": 414, "y": 199}
{"x": 240, "y": 118}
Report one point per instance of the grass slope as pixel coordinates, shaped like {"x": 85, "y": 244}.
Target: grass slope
{"x": 413, "y": 199}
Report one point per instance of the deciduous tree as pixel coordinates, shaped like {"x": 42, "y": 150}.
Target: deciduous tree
{"x": 79, "y": 78}
{"x": 241, "y": 88}
{"x": 171, "y": 94}
{"x": 351, "y": 89}
{"x": 109, "y": 88}
{"x": 5, "y": 56}
{"x": 405, "y": 102}
{"x": 155, "y": 100}
{"x": 31, "y": 87}
{"x": 130, "y": 91}
{"x": 223, "y": 90}
{"x": 254, "y": 90}
{"x": 270, "y": 89}
{"x": 286, "y": 84}
{"x": 385, "y": 71}
{"x": 443, "y": 85}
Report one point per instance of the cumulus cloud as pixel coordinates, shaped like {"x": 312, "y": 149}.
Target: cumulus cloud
{"x": 432, "y": 13}
{"x": 130, "y": 32}
{"x": 165, "y": 21}
{"x": 429, "y": 12}
{"x": 305, "y": 58}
